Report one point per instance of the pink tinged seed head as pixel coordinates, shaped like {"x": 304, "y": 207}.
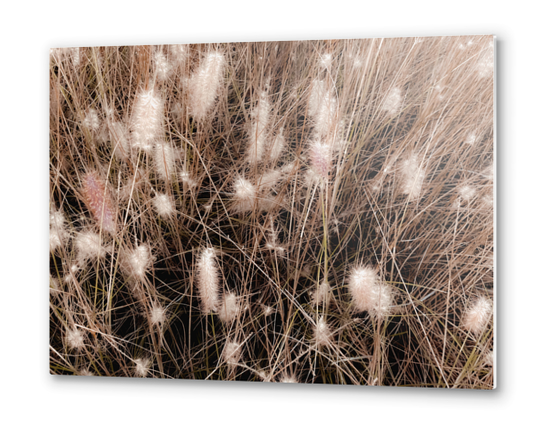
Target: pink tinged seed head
{"x": 478, "y": 315}
{"x": 321, "y": 157}
{"x": 98, "y": 202}
{"x": 207, "y": 281}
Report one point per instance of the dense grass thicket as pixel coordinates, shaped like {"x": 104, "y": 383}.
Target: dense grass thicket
{"x": 309, "y": 211}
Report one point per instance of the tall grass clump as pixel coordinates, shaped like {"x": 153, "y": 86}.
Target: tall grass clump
{"x": 300, "y": 212}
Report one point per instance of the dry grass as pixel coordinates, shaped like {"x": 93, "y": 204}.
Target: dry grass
{"x": 212, "y": 207}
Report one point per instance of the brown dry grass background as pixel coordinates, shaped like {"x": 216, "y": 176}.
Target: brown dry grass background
{"x": 409, "y": 194}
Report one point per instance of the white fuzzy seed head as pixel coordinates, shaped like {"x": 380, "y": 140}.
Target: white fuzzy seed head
{"x": 138, "y": 261}
{"x": 467, "y": 193}
{"x": 56, "y": 219}
{"x": 489, "y": 358}
{"x": 267, "y": 310}
{"x": 57, "y": 234}
{"x": 85, "y": 372}
{"x": 207, "y": 281}
{"x": 75, "y": 55}
{"x": 164, "y": 205}
{"x": 119, "y": 140}
{"x": 164, "y": 160}
{"x": 162, "y": 67}
{"x": 318, "y": 92}
{"x": 258, "y": 130}
{"x": 157, "y": 316}
{"x": 486, "y": 62}
{"x": 142, "y": 366}
{"x": 478, "y": 315}
{"x": 232, "y": 353}
{"x": 288, "y": 378}
{"x": 471, "y": 139}
{"x": 322, "y": 294}
{"x": 244, "y": 195}
{"x": 361, "y": 286}
{"x": 487, "y": 201}
{"x": 392, "y": 102}
{"x": 179, "y": 55}
{"x": 229, "y": 308}
{"x": 75, "y": 339}
{"x": 327, "y": 115}
{"x": 270, "y": 179}
{"x": 92, "y": 121}
{"x": 204, "y": 84}
{"x": 276, "y": 146}
{"x": 54, "y": 286}
{"x": 326, "y": 60}
{"x": 489, "y": 174}
{"x": 147, "y": 119}
{"x": 412, "y": 177}
{"x": 382, "y": 301}
{"x": 89, "y": 246}
{"x": 322, "y": 333}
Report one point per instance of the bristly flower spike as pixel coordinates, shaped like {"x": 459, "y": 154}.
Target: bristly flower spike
{"x": 98, "y": 202}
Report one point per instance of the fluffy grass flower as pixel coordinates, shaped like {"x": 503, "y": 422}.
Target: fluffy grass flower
{"x": 361, "y": 286}
{"x": 477, "y": 315}
{"x": 147, "y": 120}
{"x": 229, "y": 309}
{"x": 89, "y": 246}
{"x": 99, "y": 202}
{"x": 244, "y": 195}
{"x": 204, "y": 85}
{"x": 207, "y": 280}
{"x": 164, "y": 205}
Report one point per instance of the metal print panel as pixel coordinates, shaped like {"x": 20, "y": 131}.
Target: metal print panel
{"x": 296, "y": 212}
